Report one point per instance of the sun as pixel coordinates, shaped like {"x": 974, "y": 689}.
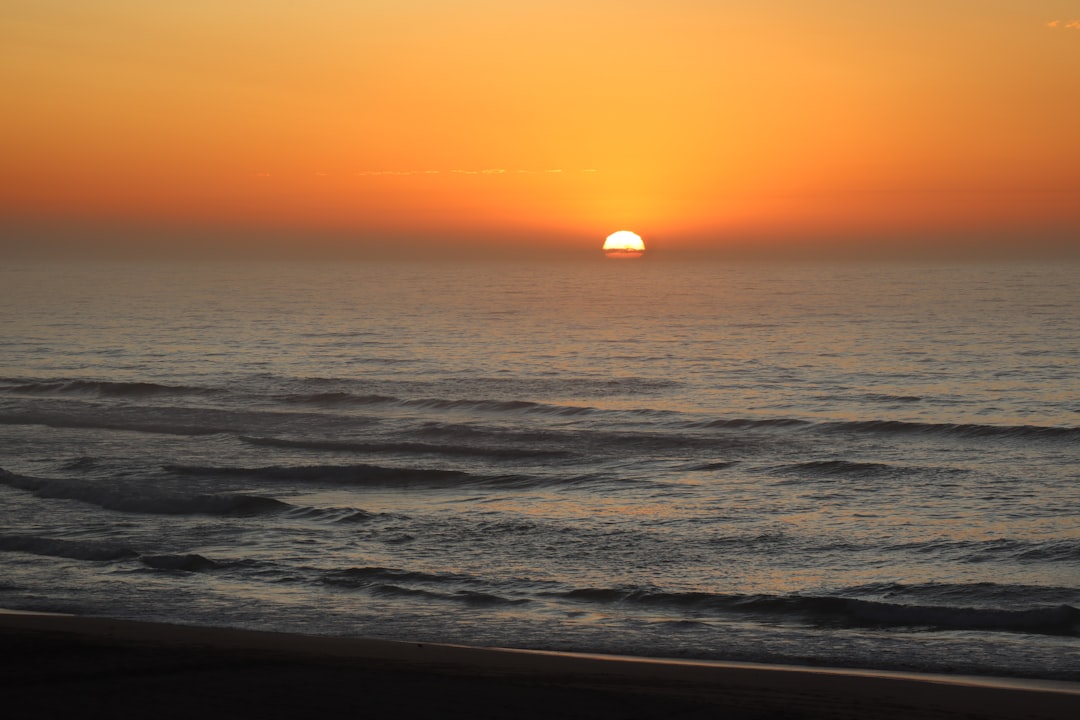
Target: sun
{"x": 624, "y": 244}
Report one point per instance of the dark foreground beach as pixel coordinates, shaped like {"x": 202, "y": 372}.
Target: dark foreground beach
{"x": 67, "y": 666}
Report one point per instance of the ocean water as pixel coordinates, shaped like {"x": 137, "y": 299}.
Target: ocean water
{"x": 845, "y": 465}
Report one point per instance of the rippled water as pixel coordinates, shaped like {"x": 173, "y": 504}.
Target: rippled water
{"x": 859, "y": 465}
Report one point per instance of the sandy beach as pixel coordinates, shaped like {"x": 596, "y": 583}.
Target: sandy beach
{"x": 61, "y": 665}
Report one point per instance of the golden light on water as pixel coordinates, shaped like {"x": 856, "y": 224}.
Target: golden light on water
{"x": 624, "y": 244}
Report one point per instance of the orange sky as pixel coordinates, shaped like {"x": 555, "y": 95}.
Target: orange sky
{"x": 413, "y": 126}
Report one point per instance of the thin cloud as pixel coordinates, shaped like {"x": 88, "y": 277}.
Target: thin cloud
{"x": 398, "y": 172}
{"x": 455, "y": 171}
{"x": 471, "y": 171}
{"x": 1053, "y": 23}
{"x": 1058, "y": 24}
{"x": 1075, "y": 25}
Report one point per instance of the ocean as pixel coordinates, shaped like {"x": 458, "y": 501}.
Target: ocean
{"x": 852, "y": 465}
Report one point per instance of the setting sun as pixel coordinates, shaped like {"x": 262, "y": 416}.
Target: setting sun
{"x": 624, "y": 244}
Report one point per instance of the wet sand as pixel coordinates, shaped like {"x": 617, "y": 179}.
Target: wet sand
{"x": 65, "y": 666}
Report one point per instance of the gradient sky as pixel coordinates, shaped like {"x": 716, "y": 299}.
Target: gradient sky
{"x": 381, "y": 127}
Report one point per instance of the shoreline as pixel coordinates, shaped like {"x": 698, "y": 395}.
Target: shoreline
{"x": 67, "y": 663}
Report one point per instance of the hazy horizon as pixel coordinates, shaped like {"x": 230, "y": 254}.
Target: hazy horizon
{"x": 210, "y": 244}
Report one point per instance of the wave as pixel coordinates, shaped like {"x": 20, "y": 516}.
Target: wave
{"x": 406, "y": 447}
{"x": 364, "y": 576}
{"x": 672, "y": 435}
{"x": 967, "y": 430}
{"x": 137, "y": 500}
{"x": 987, "y": 595}
{"x": 206, "y": 421}
{"x": 533, "y": 385}
{"x": 607, "y": 438}
{"x": 388, "y": 582}
{"x": 842, "y": 468}
{"x": 885, "y": 397}
{"x": 94, "y": 550}
{"x": 336, "y": 399}
{"x": 717, "y": 465}
{"x": 339, "y": 399}
{"x": 358, "y": 474}
{"x": 193, "y": 562}
{"x": 1056, "y": 551}
{"x": 752, "y": 424}
{"x": 1062, "y": 550}
{"x": 83, "y": 462}
{"x": 469, "y": 597}
{"x": 334, "y": 515}
{"x": 101, "y": 422}
{"x": 500, "y": 406}
{"x": 166, "y": 420}
{"x": 377, "y": 476}
{"x": 106, "y": 551}
{"x": 103, "y": 388}
{"x": 1061, "y": 619}
{"x": 481, "y": 405}
{"x": 188, "y": 563}
{"x": 841, "y": 396}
